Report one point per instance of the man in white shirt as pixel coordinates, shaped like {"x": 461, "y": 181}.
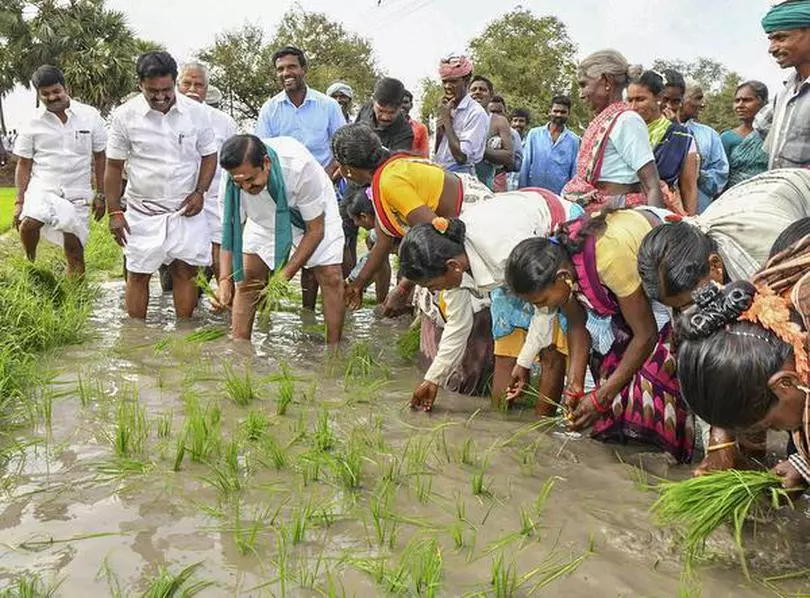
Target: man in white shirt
{"x": 285, "y": 201}
{"x": 56, "y": 150}
{"x": 168, "y": 145}
{"x": 193, "y": 83}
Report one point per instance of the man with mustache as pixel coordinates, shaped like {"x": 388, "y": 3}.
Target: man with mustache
{"x": 56, "y": 152}
{"x": 384, "y": 114}
{"x": 550, "y": 151}
{"x": 788, "y": 142}
{"x": 168, "y": 144}
{"x": 311, "y": 117}
{"x": 193, "y": 83}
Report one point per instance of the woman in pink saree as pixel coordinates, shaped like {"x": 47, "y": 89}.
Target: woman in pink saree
{"x": 615, "y": 166}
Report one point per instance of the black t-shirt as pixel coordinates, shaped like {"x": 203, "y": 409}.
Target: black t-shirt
{"x": 398, "y": 136}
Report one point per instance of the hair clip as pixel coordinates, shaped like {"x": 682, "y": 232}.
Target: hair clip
{"x": 748, "y": 334}
{"x": 554, "y": 241}
{"x": 707, "y": 295}
{"x": 440, "y": 224}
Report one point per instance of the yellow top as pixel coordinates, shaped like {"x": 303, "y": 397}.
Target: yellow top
{"x": 617, "y": 251}
{"x": 404, "y": 185}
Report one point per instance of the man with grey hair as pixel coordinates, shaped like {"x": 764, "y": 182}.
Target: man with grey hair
{"x": 192, "y": 82}
{"x": 342, "y": 94}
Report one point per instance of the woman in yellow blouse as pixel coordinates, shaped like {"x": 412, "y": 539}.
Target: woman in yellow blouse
{"x": 591, "y": 267}
{"x": 406, "y": 190}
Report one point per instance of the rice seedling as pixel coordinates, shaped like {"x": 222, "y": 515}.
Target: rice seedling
{"x": 416, "y": 453}
{"x": 542, "y": 497}
{"x": 310, "y": 465}
{"x": 331, "y": 590}
{"x": 392, "y": 469}
{"x": 300, "y": 523}
{"x": 424, "y": 488}
{"x": 30, "y": 586}
{"x": 45, "y": 407}
{"x": 456, "y": 532}
{"x": 503, "y": 578}
{"x": 273, "y": 454}
{"x": 226, "y": 475}
{"x": 323, "y": 438}
{"x": 307, "y": 575}
{"x": 203, "y": 283}
{"x": 241, "y": 389}
{"x": 553, "y": 568}
{"x": 385, "y": 525}
{"x": 201, "y": 431}
{"x": 282, "y": 559}
{"x": 422, "y": 559}
{"x": 130, "y": 429}
{"x": 701, "y": 504}
{"x": 527, "y": 525}
{"x": 255, "y": 425}
{"x": 205, "y": 334}
{"x": 89, "y": 388}
{"x": 478, "y": 482}
{"x": 284, "y": 395}
{"x": 271, "y": 296}
{"x": 164, "y": 425}
{"x": 180, "y": 585}
{"x": 347, "y": 464}
{"x": 163, "y": 344}
{"x": 468, "y": 455}
{"x": 361, "y": 364}
{"x": 408, "y": 341}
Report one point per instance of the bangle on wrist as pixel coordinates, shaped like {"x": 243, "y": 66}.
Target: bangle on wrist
{"x": 116, "y": 213}
{"x": 601, "y": 408}
{"x": 722, "y": 446}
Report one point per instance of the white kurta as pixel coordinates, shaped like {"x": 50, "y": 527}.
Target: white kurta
{"x": 59, "y": 192}
{"x": 163, "y": 153}
{"x": 309, "y": 190}
{"x": 224, "y": 127}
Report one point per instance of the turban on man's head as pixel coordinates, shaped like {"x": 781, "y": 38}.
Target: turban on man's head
{"x": 791, "y": 14}
{"x": 339, "y": 87}
{"x": 453, "y": 66}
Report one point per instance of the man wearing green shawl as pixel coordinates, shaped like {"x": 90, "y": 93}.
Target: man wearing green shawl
{"x": 787, "y": 25}
{"x": 279, "y": 214}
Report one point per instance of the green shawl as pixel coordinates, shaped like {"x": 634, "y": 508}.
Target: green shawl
{"x": 286, "y": 218}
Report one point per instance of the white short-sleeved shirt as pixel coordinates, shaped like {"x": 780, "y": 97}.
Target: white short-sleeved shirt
{"x": 224, "y": 128}
{"x": 163, "y": 151}
{"x": 627, "y": 151}
{"x": 309, "y": 189}
{"x": 62, "y": 154}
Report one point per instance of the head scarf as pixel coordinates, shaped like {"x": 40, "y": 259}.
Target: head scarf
{"x": 453, "y": 66}
{"x": 339, "y": 87}
{"x": 214, "y": 96}
{"x": 792, "y": 14}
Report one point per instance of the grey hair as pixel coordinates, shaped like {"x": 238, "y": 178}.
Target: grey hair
{"x": 693, "y": 87}
{"x": 195, "y": 66}
{"x": 758, "y": 87}
{"x": 610, "y": 63}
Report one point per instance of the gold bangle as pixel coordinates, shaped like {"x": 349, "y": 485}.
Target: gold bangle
{"x": 721, "y": 446}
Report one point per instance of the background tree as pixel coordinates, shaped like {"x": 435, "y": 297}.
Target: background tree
{"x": 530, "y": 59}
{"x": 718, "y": 83}
{"x": 242, "y": 68}
{"x": 93, "y": 46}
{"x": 431, "y": 92}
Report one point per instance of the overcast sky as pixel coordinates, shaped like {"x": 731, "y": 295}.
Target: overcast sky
{"x": 409, "y": 36}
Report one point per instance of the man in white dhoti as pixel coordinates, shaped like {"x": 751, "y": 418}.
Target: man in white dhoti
{"x": 193, "y": 83}
{"x": 277, "y": 199}
{"x": 56, "y": 150}
{"x": 168, "y": 145}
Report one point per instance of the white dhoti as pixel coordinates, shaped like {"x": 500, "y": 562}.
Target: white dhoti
{"x": 60, "y": 214}
{"x": 157, "y": 239}
{"x": 261, "y": 241}
{"x": 214, "y": 218}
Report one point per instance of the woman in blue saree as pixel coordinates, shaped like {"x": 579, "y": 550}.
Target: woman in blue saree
{"x": 743, "y": 145}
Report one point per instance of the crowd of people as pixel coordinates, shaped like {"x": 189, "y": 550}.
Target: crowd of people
{"x": 667, "y": 258}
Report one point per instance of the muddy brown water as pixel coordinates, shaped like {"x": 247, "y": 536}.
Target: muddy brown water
{"x": 68, "y": 514}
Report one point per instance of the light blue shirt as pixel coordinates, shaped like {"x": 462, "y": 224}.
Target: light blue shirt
{"x": 713, "y": 163}
{"x": 546, "y": 163}
{"x": 471, "y": 124}
{"x": 313, "y": 123}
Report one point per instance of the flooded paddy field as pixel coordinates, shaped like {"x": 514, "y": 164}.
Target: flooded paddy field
{"x": 275, "y": 469}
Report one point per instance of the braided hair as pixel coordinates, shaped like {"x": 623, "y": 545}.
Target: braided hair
{"x": 724, "y": 364}
{"x": 358, "y": 146}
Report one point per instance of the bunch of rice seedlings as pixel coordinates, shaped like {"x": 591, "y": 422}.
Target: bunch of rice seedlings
{"x": 30, "y": 586}
{"x": 503, "y": 578}
{"x": 255, "y": 425}
{"x": 131, "y": 429}
{"x": 180, "y": 585}
{"x": 323, "y": 438}
{"x": 347, "y": 463}
{"x": 382, "y": 515}
{"x": 699, "y": 505}
{"x": 89, "y": 388}
{"x": 241, "y": 389}
{"x": 408, "y": 341}
{"x": 423, "y": 560}
{"x": 361, "y": 364}
{"x": 478, "y": 481}
{"x": 205, "y": 334}
{"x": 201, "y": 431}
{"x": 203, "y": 283}
{"x": 270, "y": 297}
{"x": 284, "y": 395}
{"x": 273, "y": 454}
{"x": 226, "y": 475}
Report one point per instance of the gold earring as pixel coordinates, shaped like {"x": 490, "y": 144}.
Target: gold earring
{"x": 349, "y": 174}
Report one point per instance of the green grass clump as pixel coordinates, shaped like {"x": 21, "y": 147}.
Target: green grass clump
{"x": 30, "y": 586}
{"x": 701, "y": 504}
{"x": 205, "y": 334}
{"x": 7, "y": 199}
{"x": 168, "y": 585}
{"x": 102, "y": 256}
{"x": 408, "y": 342}
{"x": 241, "y": 389}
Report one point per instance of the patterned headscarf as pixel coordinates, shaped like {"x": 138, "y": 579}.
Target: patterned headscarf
{"x": 455, "y": 65}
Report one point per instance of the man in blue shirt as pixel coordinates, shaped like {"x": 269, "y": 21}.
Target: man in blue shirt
{"x": 307, "y": 115}
{"x": 550, "y": 151}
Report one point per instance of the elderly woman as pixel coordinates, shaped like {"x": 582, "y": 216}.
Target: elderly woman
{"x": 615, "y": 165}
{"x": 743, "y": 145}
{"x": 673, "y": 146}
